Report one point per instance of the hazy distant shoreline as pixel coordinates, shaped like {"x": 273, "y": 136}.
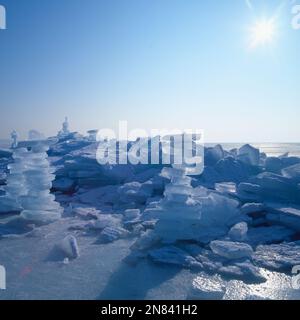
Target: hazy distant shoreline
{"x": 271, "y": 149}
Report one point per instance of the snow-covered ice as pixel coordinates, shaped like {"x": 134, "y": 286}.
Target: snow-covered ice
{"x": 278, "y": 256}
{"x": 110, "y": 234}
{"x": 15, "y": 183}
{"x": 253, "y": 208}
{"x": 204, "y": 288}
{"x": 173, "y": 255}
{"x": 231, "y": 250}
{"x": 219, "y": 235}
{"x": 268, "y": 235}
{"x": 292, "y": 172}
{"x": 69, "y": 247}
{"x": 286, "y": 216}
{"x": 238, "y": 232}
{"x": 273, "y": 164}
{"x": 249, "y": 155}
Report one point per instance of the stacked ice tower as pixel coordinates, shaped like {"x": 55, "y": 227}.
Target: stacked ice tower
{"x": 16, "y": 184}
{"x": 38, "y": 204}
{"x": 187, "y": 213}
{"x": 177, "y": 213}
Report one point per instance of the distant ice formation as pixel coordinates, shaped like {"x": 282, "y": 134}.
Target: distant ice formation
{"x": 92, "y": 135}
{"x": 65, "y": 129}
{"x": 14, "y": 136}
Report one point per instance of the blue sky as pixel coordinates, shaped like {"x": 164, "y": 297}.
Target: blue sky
{"x": 155, "y": 63}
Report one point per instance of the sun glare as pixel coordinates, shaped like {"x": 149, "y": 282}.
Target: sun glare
{"x": 262, "y": 33}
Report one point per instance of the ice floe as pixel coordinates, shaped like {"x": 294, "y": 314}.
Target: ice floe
{"x": 231, "y": 250}
{"x": 278, "y": 256}
{"x": 69, "y": 247}
{"x": 238, "y": 232}
{"x": 204, "y": 288}
{"x": 173, "y": 255}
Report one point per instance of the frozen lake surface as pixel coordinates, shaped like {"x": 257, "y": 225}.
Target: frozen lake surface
{"x": 151, "y": 232}
{"x": 101, "y": 273}
{"x": 271, "y": 149}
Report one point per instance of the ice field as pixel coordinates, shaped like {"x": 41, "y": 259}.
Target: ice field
{"x": 73, "y": 229}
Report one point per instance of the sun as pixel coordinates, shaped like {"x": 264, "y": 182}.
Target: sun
{"x": 262, "y": 33}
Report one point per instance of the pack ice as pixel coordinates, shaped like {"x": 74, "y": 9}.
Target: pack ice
{"x": 232, "y": 226}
